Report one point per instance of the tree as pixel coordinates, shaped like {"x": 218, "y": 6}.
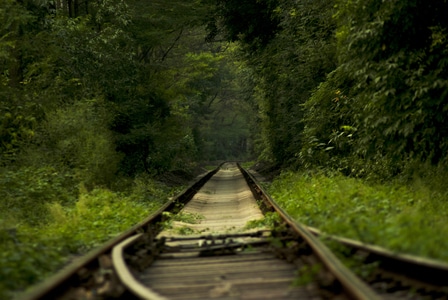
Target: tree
{"x": 289, "y": 58}
{"x": 253, "y": 22}
{"x": 395, "y": 52}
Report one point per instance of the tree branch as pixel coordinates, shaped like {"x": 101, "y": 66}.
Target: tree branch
{"x": 173, "y": 44}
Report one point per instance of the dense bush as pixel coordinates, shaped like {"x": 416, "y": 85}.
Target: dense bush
{"x": 347, "y": 84}
{"x": 395, "y": 53}
{"x": 26, "y": 191}
{"x": 78, "y": 137}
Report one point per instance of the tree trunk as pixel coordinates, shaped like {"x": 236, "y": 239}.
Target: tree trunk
{"x": 15, "y": 63}
{"x": 76, "y": 7}
{"x": 69, "y": 8}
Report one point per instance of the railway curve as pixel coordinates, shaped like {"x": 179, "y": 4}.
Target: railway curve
{"x": 198, "y": 246}
{"x": 225, "y": 260}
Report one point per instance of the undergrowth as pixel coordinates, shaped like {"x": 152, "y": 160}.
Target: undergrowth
{"x": 30, "y": 252}
{"x": 247, "y": 164}
{"x": 269, "y": 220}
{"x": 403, "y": 218}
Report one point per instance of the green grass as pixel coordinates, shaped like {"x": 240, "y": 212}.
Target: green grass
{"x": 31, "y": 252}
{"x": 184, "y": 217}
{"x": 209, "y": 168}
{"x": 247, "y": 164}
{"x": 270, "y": 220}
{"x": 408, "y": 219}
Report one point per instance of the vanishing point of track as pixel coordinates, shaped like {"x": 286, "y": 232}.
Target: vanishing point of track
{"x": 198, "y": 246}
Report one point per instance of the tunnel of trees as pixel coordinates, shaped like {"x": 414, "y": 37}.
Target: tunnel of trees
{"x": 107, "y": 87}
{"x": 110, "y": 87}
{"x": 356, "y": 86}
{"x": 92, "y": 91}
{"x": 96, "y": 93}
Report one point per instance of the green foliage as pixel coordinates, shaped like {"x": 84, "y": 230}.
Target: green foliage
{"x": 183, "y": 217}
{"x": 17, "y": 128}
{"x": 395, "y": 53}
{"x": 191, "y": 218}
{"x": 345, "y": 84}
{"x": 182, "y": 220}
{"x": 31, "y": 253}
{"x": 78, "y": 137}
{"x": 394, "y": 216}
{"x": 307, "y": 275}
{"x": 206, "y": 96}
{"x": 26, "y": 191}
{"x": 247, "y": 164}
{"x": 251, "y": 21}
{"x": 328, "y": 138}
{"x": 270, "y": 220}
{"x": 147, "y": 62}
{"x": 94, "y": 92}
{"x": 356, "y": 263}
{"x": 96, "y": 56}
{"x": 286, "y": 70}
{"x": 185, "y": 230}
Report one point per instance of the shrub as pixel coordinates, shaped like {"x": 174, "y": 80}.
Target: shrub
{"x": 77, "y": 136}
{"x": 25, "y": 192}
{"x": 29, "y": 254}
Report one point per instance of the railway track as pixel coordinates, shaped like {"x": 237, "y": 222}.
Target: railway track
{"x": 391, "y": 275}
{"x": 198, "y": 246}
{"x": 394, "y": 275}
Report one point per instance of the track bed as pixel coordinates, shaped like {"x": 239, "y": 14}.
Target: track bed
{"x": 224, "y": 205}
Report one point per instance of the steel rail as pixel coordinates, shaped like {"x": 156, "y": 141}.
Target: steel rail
{"x": 126, "y": 277}
{"x": 421, "y": 269}
{"x": 351, "y": 284}
{"x": 58, "y": 283}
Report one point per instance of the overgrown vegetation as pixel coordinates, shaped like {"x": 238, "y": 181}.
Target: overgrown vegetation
{"x": 98, "y": 99}
{"x": 270, "y": 220}
{"x": 403, "y": 219}
{"x": 354, "y": 86}
{"x": 32, "y": 250}
{"x": 93, "y": 94}
{"x": 357, "y": 89}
